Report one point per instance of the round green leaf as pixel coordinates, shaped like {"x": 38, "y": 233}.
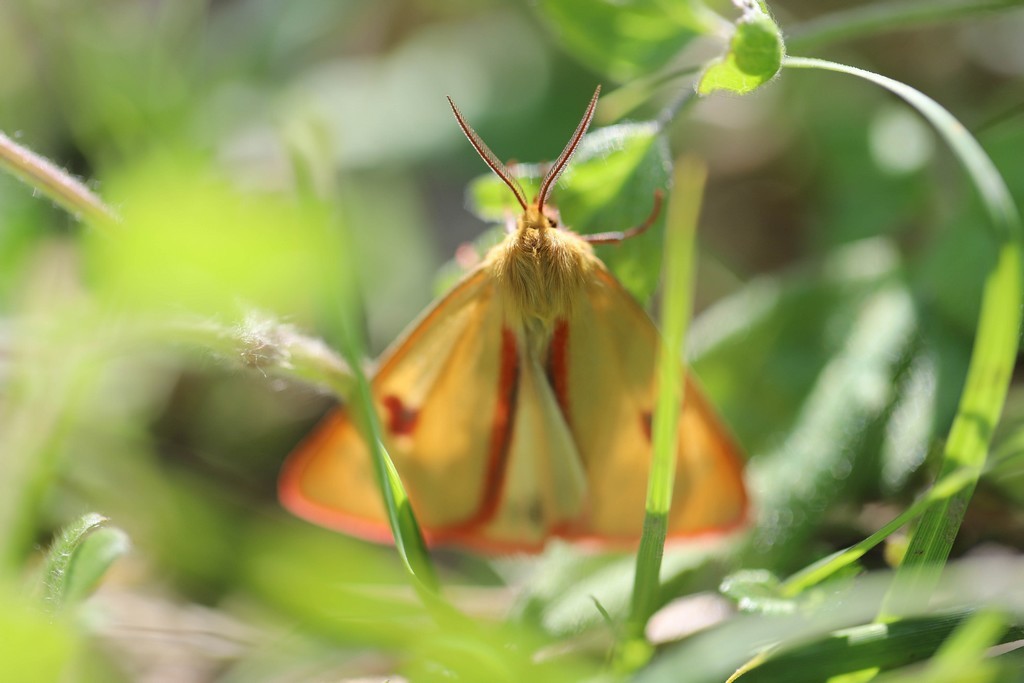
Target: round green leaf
{"x": 754, "y": 57}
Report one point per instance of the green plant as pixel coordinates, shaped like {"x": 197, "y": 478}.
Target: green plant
{"x": 837, "y": 375}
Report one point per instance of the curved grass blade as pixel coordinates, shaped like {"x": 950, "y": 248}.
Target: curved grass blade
{"x": 993, "y": 355}
{"x": 406, "y": 531}
{"x": 355, "y": 387}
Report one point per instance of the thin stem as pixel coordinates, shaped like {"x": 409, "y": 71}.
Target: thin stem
{"x": 68, "y": 192}
{"x": 681, "y": 226}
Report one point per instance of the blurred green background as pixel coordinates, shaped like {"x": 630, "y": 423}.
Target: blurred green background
{"x": 842, "y": 255}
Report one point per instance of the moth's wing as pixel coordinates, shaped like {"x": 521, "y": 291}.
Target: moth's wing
{"x": 602, "y": 367}
{"x": 444, "y": 392}
{"x": 543, "y": 485}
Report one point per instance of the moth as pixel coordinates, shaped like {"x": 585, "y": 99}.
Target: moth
{"x": 518, "y": 407}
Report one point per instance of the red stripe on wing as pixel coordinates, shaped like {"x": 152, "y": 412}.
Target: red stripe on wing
{"x": 501, "y": 437}
{"x": 558, "y": 366}
{"x": 504, "y": 416}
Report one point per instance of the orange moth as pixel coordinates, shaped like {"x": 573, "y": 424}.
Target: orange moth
{"x": 518, "y": 406}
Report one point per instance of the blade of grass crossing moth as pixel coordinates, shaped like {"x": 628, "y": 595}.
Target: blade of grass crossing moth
{"x": 683, "y": 212}
{"x": 992, "y": 357}
{"x": 314, "y": 172}
{"x": 406, "y": 531}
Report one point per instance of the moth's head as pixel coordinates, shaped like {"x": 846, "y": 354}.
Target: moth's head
{"x": 537, "y": 214}
{"x": 537, "y": 217}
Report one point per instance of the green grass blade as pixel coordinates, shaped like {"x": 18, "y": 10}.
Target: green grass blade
{"x": 831, "y": 631}
{"x": 314, "y": 171}
{"x": 872, "y": 19}
{"x": 827, "y": 567}
{"x": 881, "y": 647}
{"x": 995, "y": 348}
{"x": 683, "y": 212}
{"x": 404, "y": 528}
{"x": 968, "y": 646}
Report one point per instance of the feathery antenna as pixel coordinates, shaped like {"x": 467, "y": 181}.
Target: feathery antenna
{"x": 570, "y": 148}
{"x": 489, "y": 158}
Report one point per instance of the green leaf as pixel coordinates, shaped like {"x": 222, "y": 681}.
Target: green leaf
{"x": 626, "y": 39}
{"x": 74, "y": 565}
{"x": 609, "y": 186}
{"x": 754, "y": 57}
{"x": 965, "y": 651}
{"x": 90, "y": 562}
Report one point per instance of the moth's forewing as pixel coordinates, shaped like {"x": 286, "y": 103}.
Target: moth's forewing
{"x": 443, "y": 393}
{"x": 609, "y": 396}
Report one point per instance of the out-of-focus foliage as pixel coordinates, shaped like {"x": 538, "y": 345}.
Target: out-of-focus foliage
{"x": 245, "y": 143}
{"x": 627, "y": 40}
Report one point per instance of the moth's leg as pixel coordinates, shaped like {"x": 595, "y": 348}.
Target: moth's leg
{"x": 619, "y": 236}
